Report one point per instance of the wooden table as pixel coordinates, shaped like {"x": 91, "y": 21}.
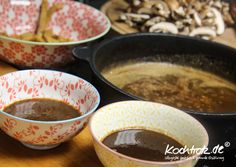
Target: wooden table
{"x": 78, "y": 152}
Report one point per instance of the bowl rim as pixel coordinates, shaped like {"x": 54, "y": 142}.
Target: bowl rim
{"x": 194, "y": 157}
{"x": 104, "y": 32}
{"x": 59, "y": 121}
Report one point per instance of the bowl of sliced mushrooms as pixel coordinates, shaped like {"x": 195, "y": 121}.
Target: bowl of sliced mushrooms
{"x": 207, "y": 19}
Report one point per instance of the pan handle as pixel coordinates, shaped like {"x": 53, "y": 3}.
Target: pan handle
{"x": 83, "y": 53}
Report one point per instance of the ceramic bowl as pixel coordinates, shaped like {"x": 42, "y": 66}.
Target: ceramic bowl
{"x": 76, "y": 21}
{"x": 148, "y": 115}
{"x": 30, "y": 84}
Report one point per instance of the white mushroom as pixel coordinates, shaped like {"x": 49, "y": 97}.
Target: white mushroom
{"x": 138, "y": 16}
{"x": 180, "y": 11}
{"x": 123, "y": 17}
{"x": 164, "y": 27}
{"x": 187, "y": 21}
{"x": 185, "y": 31}
{"x": 179, "y": 24}
{"x": 206, "y": 37}
{"x": 197, "y": 19}
{"x": 218, "y": 21}
{"x": 154, "y": 20}
{"x": 130, "y": 23}
{"x": 158, "y": 7}
{"x": 208, "y": 22}
{"x": 217, "y": 4}
{"x": 203, "y": 31}
{"x": 144, "y": 11}
{"x": 136, "y": 2}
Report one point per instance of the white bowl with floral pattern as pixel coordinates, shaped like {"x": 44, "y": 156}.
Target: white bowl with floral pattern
{"x": 28, "y": 84}
{"x": 145, "y": 115}
{"x": 75, "y": 21}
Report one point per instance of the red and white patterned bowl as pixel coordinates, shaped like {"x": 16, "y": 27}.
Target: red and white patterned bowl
{"x": 30, "y": 84}
{"x": 76, "y": 21}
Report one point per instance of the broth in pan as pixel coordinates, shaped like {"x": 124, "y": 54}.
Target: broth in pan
{"x": 179, "y": 86}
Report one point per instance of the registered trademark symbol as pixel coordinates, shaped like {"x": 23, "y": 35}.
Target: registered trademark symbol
{"x": 227, "y": 144}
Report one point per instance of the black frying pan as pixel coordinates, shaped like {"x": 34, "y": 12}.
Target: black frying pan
{"x": 197, "y": 53}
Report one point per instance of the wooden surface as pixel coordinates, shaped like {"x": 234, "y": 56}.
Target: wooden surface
{"x": 78, "y": 152}
{"x": 5, "y": 68}
{"x": 113, "y": 8}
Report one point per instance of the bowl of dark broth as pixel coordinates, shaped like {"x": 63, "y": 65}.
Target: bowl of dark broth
{"x": 43, "y": 108}
{"x": 140, "y": 133}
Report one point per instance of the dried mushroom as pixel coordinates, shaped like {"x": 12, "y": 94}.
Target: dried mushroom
{"x": 203, "y": 18}
{"x": 164, "y": 27}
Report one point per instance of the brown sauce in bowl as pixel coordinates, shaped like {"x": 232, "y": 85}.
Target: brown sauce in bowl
{"x": 182, "y": 87}
{"x": 144, "y": 144}
{"x": 42, "y": 109}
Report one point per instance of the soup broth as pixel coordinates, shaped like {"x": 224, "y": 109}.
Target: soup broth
{"x": 143, "y": 144}
{"x": 42, "y": 109}
{"x": 182, "y": 87}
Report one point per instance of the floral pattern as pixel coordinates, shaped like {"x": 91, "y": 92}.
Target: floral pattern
{"x": 76, "y": 21}
{"x": 51, "y": 84}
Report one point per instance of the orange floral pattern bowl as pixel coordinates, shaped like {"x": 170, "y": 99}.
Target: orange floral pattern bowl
{"x": 30, "y": 84}
{"x": 75, "y": 20}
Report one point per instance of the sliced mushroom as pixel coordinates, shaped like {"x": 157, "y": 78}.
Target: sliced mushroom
{"x": 154, "y": 20}
{"x": 180, "y": 11}
{"x": 208, "y": 22}
{"x": 187, "y": 21}
{"x": 162, "y": 13}
{"x": 123, "y": 17}
{"x": 144, "y": 10}
{"x": 173, "y": 4}
{"x": 160, "y": 8}
{"x": 179, "y": 24}
{"x": 205, "y": 13}
{"x": 164, "y": 27}
{"x": 198, "y": 6}
{"x": 218, "y": 21}
{"x": 185, "y": 31}
{"x": 210, "y": 14}
{"x": 217, "y": 4}
{"x": 136, "y": 2}
{"x": 138, "y": 16}
{"x": 130, "y": 23}
{"x": 197, "y": 19}
{"x": 203, "y": 31}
